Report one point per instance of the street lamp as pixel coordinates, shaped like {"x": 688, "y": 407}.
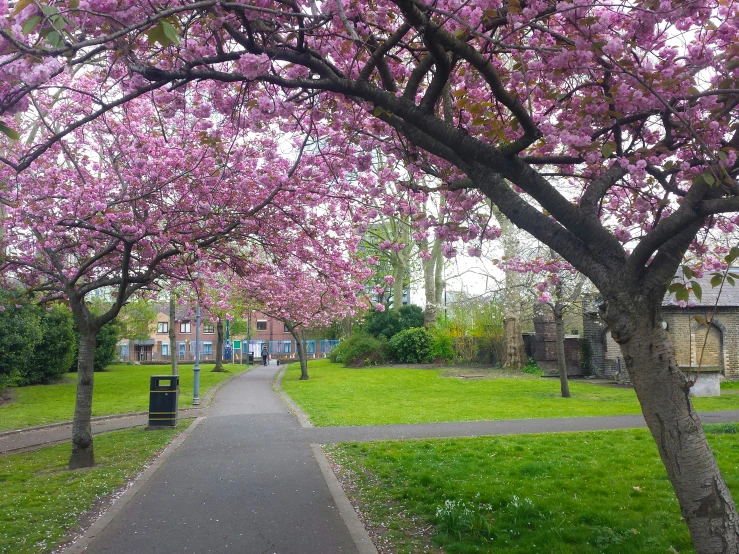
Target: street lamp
{"x": 196, "y": 367}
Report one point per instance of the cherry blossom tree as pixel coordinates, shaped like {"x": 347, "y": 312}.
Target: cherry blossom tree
{"x": 312, "y": 287}
{"x": 130, "y": 200}
{"x": 605, "y": 130}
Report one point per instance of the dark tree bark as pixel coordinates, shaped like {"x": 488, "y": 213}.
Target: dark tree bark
{"x": 300, "y": 347}
{"x": 219, "y": 346}
{"x": 172, "y": 336}
{"x": 662, "y": 389}
{"x": 83, "y": 454}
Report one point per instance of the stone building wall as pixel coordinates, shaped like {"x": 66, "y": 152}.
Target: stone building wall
{"x": 686, "y": 335}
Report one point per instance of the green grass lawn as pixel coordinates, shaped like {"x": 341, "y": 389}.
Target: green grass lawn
{"x": 119, "y": 389}
{"x": 335, "y": 395}
{"x": 604, "y": 492}
{"x": 41, "y": 500}
{"x": 729, "y": 385}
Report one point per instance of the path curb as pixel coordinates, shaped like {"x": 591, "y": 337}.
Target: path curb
{"x": 356, "y": 528}
{"x": 294, "y": 408}
{"x": 114, "y": 509}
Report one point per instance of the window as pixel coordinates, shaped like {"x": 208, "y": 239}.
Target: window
{"x": 208, "y": 348}
{"x": 208, "y": 328}
{"x": 261, "y": 325}
{"x": 162, "y": 327}
{"x": 185, "y": 327}
{"x": 286, "y": 330}
{"x": 165, "y": 349}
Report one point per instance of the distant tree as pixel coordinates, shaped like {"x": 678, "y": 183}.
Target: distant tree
{"x": 136, "y": 319}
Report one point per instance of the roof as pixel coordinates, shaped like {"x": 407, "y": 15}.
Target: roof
{"x": 729, "y": 297}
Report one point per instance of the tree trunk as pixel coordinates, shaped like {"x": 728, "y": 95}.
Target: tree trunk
{"x": 433, "y": 284}
{"x": 83, "y": 454}
{"x": 300, "y": 347}
{"x": 399, "y": 271}
{"x": 219, "y": 346}
{"x": 662, "y": 390}
{"x": 515, "y": 349}
{"x": 559, "y": 327}
{"x": 172, "y": 336}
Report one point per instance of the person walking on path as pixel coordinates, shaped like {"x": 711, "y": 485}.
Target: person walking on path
{"x": 264, "y": 354}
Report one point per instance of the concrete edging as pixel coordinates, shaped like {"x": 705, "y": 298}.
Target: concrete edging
{"x": 359, "y": 534}
{"x": 294, "y": 408}
{"x": 79, "y": 545}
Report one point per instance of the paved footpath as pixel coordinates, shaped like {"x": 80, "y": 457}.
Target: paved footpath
{"x": 244, "y": 481}
{"x": 249, "y": 478}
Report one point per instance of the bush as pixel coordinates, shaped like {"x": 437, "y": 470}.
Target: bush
{"x": 390, "y": 322}
{"x": 20, "y": 334}
{"x": 532, "y": 368}
{"x": 442, "y": 345}
{"x": 412, "y": 346}
{"x": 53, "y": 355}
{"x": 359, "y": 350}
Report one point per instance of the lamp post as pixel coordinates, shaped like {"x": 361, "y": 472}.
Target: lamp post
{"x": 196, "y": 367}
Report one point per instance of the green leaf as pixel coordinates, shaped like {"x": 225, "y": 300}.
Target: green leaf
{"x": 30, "y": 24}
{"x": 730, "y": 280}
{"x": 19, "y": 7}
{"x": 708, "y": 178}
{"x": 674, "y": 287}
{"x": 688, "y": 272}
{"x": 733, "y": 64}
{"x": 716, "y": 280}
{"x": 607, "y": 149}
{"x": 156, "y": 34}
{"x": 49, "y": 10}
{"x": 682, "y": 295}
{"x": 700, "y": 319}
{"x": 9, "y": 132}
{"x": 170, "y": 32}
{"x": 734, "y": 252}
{"x": 697, "y": 290}
{"x": 55, "y": 39}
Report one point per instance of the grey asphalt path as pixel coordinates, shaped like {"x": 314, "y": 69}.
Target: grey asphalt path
{"x": 328, "y": 435}
{"x": 32, "y": 439}
{"x": 244, "y": 481}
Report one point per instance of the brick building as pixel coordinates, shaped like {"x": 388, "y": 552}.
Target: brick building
{"x": 265, "y": 330}
{"x": 710, "y": 341}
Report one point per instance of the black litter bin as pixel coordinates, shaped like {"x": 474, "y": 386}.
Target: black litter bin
{"x": 251, "y": 358}
{"x": 163, "y": 393}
